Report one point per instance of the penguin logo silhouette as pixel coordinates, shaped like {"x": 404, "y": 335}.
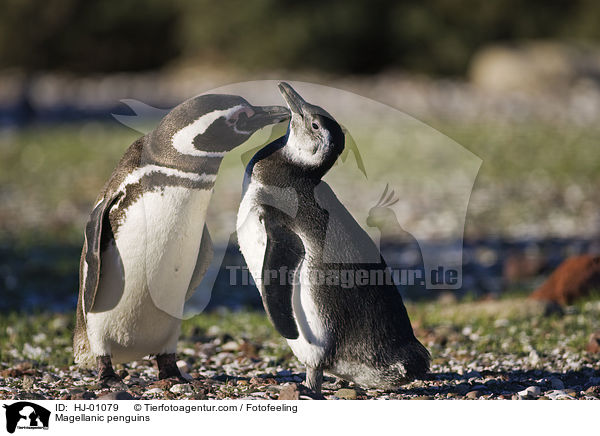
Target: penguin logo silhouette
{"x": 393, "y": 236}
{"x": 399, "y": 248}
{"x": 26, "y": 415}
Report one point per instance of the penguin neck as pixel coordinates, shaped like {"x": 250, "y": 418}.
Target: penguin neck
{"x": 277, "y": 170}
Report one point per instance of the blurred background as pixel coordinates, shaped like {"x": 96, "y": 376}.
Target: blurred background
{"x": 516, "y": 83}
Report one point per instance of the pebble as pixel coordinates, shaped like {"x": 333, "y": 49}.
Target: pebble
{"x": 230, "y": 346}
{"x": 289, "y": 392}
{"x": 531, "y": 392}
{"x": 183, "y": 366}
{"x": 27, "y": 382}
{"x": 558, "y": 394}
{"x": 87, "y": 395}
{"x": 346, "y": 394}
{"x": 117, "y": 395}
{"x": 182, "y": 388}
{"x": 593, "y": 390}
{"x": 48, "y": 378}
{"x": 557, "y": 383}
{"x": 155, "y": 391}
{"x": 473, "y": 395}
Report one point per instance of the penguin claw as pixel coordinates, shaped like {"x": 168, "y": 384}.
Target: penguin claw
{"x": 107, "y": 377}
{"x": 176, "y": 379}
{"x": 111, "y": 381}
{"x": 310, "y": 393}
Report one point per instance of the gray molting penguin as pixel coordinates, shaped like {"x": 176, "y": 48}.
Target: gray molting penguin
{"x": 309, "y": 259}
{"x": 146, "y": 245}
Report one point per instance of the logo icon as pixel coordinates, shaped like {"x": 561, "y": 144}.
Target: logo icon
{"x": 26, "y": 415}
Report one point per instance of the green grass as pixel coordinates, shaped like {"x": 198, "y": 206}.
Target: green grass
{"x": 512, "y": 326}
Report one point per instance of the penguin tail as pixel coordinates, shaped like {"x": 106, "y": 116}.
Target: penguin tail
{"x": 415, "y": 359}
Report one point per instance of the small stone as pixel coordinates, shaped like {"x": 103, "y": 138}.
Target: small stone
{"x": 48, "y": 378}
{"x": 473, "y": 395}
{"x": 86, "y": 395}
{"x": 27, "y": 382}
{"x": 346, "y": 394}
{"x": 155, "y": 391}
{"x": 593, "y": 391}
{"x": 183, "y": 366}
{"x": 557, "y": 383}
{"x": 230, "y": 346}
{"x": 248, "y": 349}
{"x": 163, "y": 384}
{"x": 462, "y": 388}
{"x": 25, "y": 367}
{"x": 289, "y": 392}
{"x": 182, "y": 388}
{"x": 473, "y": 374}
{"x": 530, "y": 392}
{"x": 117, "y": 395}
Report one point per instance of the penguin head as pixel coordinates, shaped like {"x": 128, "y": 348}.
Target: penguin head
{"x": 314, "y": 138}
{"x": 217, "y": 123}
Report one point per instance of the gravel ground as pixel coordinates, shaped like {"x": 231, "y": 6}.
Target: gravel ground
{"x": 508, "y": 349}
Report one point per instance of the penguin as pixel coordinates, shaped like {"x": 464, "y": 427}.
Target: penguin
{"x": 146, "y": 245}
{"x": 297, "y": 238}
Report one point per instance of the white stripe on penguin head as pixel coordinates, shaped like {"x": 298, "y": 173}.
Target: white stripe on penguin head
{"x": 183, "y": 140}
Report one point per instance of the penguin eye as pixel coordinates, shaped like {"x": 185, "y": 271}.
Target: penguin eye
{"x": 315, "y": 126}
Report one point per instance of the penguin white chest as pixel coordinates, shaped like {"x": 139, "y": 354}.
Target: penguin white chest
{"x": 146, "y": 274}
{"x": 312, "y": 342}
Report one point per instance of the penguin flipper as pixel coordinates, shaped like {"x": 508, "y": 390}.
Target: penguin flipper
{"x": 205, "y": 257}
{"x": 284, "y": 253}
{"x": 90, "y": 261}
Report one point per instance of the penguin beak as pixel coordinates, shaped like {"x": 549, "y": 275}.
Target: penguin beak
{"x": 264, "y": 116}
{"x": 291, "y": 97}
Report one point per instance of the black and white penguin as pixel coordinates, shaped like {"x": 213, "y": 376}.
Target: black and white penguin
{"x": 297, "y": 238}
{"x": 146, "y": 245}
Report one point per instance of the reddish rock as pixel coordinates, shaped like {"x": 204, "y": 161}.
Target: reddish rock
{"x": 593, "y": 345}
{"x": 289, "y": 392}
{"x": 573, "y": 279}
{"x": 164, "y": 384}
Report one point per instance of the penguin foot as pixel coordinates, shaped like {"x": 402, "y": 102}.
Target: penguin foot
{"x": 106, "y": 374}
{"x": 167, "y": 367}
